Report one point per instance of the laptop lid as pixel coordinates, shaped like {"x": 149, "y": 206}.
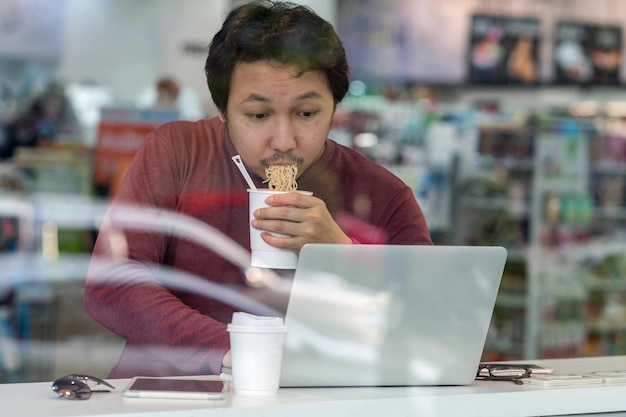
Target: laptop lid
{"x": 389, "y": 315}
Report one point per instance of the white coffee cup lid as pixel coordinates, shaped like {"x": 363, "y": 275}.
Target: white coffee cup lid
{"x": 251, "y": 320}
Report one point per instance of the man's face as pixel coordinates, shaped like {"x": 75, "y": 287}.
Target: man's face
{"x": 275, "y": 116}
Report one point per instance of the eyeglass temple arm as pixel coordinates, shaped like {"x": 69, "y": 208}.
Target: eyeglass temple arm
{"x": 84, "y": 377}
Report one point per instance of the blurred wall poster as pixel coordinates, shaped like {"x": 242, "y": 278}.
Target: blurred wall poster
{"x": 503, "y": 50}
{"x": 120, "y": 133}
{"x": 405, "y": 41}
{"x": 587, "y": 54}
{"x": 31, "y": 29}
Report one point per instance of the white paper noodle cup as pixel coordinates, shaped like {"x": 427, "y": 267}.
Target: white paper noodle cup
{"x": 256, "y": 358}
{"x": 262, "y": 254}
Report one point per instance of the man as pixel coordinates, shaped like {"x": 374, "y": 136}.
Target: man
{"x": 276, "y": 72}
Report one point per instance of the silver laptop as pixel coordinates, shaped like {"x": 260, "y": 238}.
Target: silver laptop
{"x": 387, "y": 315}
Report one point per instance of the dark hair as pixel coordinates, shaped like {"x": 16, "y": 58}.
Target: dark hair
{"x": 281, "y": 32}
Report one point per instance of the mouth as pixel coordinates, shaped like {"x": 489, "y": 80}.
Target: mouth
{"x": 283, "y": 163}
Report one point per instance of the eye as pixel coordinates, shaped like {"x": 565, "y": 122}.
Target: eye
{"x": 307, "y": 113}
{"x": 258, "y": 116}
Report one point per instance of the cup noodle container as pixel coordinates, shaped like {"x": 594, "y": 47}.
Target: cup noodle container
{"x": 262, "y": 254}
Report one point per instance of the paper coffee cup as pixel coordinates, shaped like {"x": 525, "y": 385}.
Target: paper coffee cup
{"x": 262, "y": 254}
{"x": 256, "y": 350}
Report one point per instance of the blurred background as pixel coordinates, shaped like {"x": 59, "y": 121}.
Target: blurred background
{"x": 506, "y": 117}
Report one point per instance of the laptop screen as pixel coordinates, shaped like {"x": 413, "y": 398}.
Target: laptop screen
{"x": 372, "y": 315}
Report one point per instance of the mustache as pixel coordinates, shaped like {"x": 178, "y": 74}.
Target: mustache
{"x": 278, "y": 157}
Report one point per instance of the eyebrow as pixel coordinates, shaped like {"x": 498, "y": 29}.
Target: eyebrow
{"x": 260, "y": 98}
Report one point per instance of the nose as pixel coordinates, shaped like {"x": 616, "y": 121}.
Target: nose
{"x": 284, "y": 136}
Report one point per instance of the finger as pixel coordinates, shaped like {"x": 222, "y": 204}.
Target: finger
{"x": 291, "y": 242}
{"x": 294, "y": 199}
{"x": 287, "y": 213}
{"x": 280, "y": 227}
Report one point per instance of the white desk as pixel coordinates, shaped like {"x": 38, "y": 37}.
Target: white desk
{"x": 481, "y": 399}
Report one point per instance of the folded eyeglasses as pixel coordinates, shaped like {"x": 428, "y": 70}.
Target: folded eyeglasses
{"x": 514, "y": 374}
{"x": 77, "y": 386}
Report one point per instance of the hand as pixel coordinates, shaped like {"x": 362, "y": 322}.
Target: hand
{"x": 304, "y": 218}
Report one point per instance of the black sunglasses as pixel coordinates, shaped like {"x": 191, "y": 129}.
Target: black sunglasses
{"x": 76, "y": 386}
{"x": 503, "y": 373}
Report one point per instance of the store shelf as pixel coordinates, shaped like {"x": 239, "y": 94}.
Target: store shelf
{"x": 542, "y": 206}
{"x": 606, "y": 285}
{"x": 511, "y": 300}
{"x": 603, "y": 165}
{"x": 510, "y": 163}
{"x": 495, "y": 204}
{"x": 615, "y": 213}
{"x": 603, "y": 326}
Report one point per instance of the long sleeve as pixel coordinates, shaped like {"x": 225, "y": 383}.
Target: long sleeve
{"x": 139, "y": 281}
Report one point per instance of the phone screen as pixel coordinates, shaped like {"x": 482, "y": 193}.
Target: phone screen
{"x": 146, "y": 387}
{"x": 183, "y": 385}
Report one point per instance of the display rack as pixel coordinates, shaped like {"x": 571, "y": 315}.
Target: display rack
{"x": 560, "y": 219}
{"x": 603, "y": 264}
{"x": 30, "y": 300}
{"x": 17, "y": 235}
{"x": 526, "y": 188}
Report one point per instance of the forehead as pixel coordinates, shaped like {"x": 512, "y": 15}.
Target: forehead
{"x": 274, "y": 81}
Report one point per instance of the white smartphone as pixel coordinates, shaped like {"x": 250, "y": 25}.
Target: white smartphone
{"x": 563, "y": 380}
{"x": 177, "y": 387}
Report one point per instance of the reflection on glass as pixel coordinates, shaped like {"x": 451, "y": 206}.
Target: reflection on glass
{"x": 391, "y": 313}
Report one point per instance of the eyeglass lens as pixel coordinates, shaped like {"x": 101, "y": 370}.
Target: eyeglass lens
{"x": 75, "y": 386}
{"x": 71, "y": 389}
{"x": 504, "y": 373}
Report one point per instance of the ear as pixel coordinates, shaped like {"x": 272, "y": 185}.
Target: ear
{"x": 222, "y": 116}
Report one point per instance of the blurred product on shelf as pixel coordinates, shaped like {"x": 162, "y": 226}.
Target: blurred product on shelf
{"x": 42, "y": 121}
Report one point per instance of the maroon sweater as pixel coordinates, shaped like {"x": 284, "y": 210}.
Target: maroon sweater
{"x": 186, "y": 167}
